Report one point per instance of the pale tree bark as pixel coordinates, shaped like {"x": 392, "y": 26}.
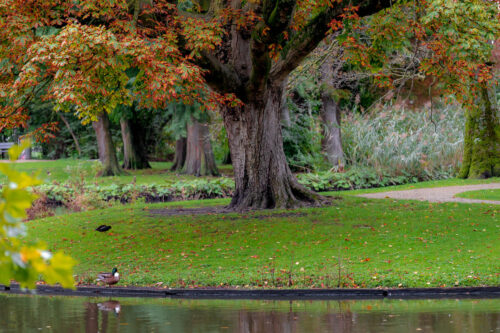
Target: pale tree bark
{"x": 200, "y": 159}
{"x": 331, "y": 142}
{"x": 106, "y": 147}
{"x": 330, "y": 116}
{"x": 134, "y": 150}
{"x": 180, "y": 154}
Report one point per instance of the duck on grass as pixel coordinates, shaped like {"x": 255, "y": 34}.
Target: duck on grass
{"x": 109, "y": 278}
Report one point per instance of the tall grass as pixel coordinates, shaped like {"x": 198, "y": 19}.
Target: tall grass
{"x": 403, "y": 142}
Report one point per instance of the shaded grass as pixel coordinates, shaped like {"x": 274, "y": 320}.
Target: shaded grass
{"x": 481, "y": 194}
{"x": 354, "y": 243}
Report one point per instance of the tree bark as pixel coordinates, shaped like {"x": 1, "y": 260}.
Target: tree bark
{"x": 244, "y": 66}
{"x": 106, "y": 147}
{"x": 180, "y": 154}
{"x": 262, "y": 176}
{"x": 200, "y": 159}
{"x": 331, "y": 142}
{"x": 134, "y": 154}
{"x": 482, "y": 139}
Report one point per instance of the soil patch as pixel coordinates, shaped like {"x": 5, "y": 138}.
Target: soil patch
{"x": 220, "y": 210}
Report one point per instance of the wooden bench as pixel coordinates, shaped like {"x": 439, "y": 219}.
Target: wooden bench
{"x": 4, "y": 147}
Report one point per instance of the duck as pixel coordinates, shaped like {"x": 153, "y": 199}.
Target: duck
{"x": 103, "y": 228}
{"x": 109, "y": 278}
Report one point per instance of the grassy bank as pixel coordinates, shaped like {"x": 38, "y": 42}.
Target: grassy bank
{"x": 481, "y": 195}
{"x": 354, "y": 243}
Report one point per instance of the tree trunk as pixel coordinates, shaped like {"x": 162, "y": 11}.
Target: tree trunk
{"x": 180, "y": 154}
{"x": 482, "y": 139}
{"x": 106, "y": 147}
{"x": 134, "y": 155}
{"x": 332, "y": 140}
{"x": 330, "y": 115}
{"x": 75, "y": 139}
{"x": 200, "y": 159}
{"x": 262, "y": 176}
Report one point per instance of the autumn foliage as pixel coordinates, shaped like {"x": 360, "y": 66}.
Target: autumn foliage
{"x": 90, "y": 57}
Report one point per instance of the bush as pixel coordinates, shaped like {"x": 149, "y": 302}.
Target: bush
{"x": 90, "y": 196}
{"x": 356, "y": 178}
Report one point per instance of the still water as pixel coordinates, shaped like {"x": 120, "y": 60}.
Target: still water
{"x": 79, "y": 314}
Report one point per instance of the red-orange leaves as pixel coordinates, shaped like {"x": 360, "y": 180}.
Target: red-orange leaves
{"x": 201, "y": 35}
{"x": 85, "y": 67}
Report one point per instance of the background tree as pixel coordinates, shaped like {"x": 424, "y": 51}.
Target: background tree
{"x": 456, "y": 41}
{"x": 193, "y": 154}
{"x": 133, "y": 129}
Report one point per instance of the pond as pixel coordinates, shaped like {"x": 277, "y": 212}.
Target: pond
{"x": 19, "y": 313}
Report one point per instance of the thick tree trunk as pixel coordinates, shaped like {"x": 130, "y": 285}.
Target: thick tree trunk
{"x": 332, "y": 140}
{"x": 262, "y": 176}
{"x": 482, "y": 139}
{"x": 200, "y": 159}
{"x": 106, "y": 147}
{"x": 180, "y": 155}
{"x": 134, "y": 154}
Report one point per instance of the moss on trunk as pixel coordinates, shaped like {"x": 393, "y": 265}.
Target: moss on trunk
{"x": 482, "y": 139}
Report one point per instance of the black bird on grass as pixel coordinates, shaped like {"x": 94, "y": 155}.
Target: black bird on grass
{"x": 103, "y": 228}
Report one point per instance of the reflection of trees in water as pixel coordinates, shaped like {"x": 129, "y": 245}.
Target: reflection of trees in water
{"x": 293, "y": 321}
{"x": 72, "y": 314}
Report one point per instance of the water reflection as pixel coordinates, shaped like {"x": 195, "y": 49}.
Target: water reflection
{"x": 92, "y": 311}
{"x": 91, "y": 315}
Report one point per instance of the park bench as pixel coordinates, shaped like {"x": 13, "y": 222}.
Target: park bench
{"x": 4, "y": 147}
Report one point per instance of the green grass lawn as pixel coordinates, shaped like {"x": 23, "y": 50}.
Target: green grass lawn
{"x": 481, "y": 194}
{"x": 354, "y": 243}
{"x": 69, "y": 169}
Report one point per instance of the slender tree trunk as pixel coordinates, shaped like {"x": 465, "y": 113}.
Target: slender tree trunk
{"x": 482, "y": 139}
{"x": 106, "y": 147}
{"x": 200, "y": 159}
{"x": 75, "y": 139}
{"x": 330, "y": 115}
{"x": 332, "y": 140}
{"x": 262, "y": 176}
{"x": 134, "y": 154}
{"x": 180, "y": 154}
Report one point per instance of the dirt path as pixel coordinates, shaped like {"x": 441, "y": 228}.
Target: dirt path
{"x": 437, "y": 194}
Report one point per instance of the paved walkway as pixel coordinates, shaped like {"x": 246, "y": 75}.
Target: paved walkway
{"x": 437, "y": 194}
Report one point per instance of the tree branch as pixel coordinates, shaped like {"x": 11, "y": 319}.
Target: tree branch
{"x": 220, "y": 76}
{"x": 306, "y": 40}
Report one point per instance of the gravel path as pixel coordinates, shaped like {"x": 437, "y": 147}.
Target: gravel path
{"x": 437, "y": 194}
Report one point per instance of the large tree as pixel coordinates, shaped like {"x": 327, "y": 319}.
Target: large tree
{"x": 253, "y": 65}
{"x": 244, "y": 49}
